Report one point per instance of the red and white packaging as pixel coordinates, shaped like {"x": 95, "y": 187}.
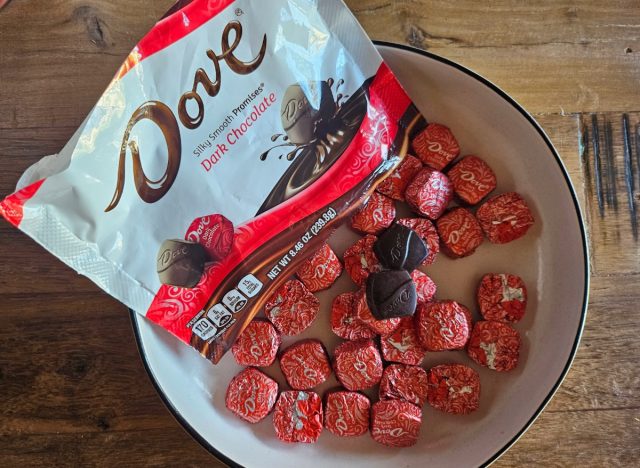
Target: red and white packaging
{"x": 395, "y": 423}
{"x": 454, "y": 388}
{"x": 346, "y": 414}
{"x": 403, "y": 345}
{"x": 275, "y": 118}
{"x": 400, "y": 382}
{"x": 305, "y": 364}
{"x": 251, "y": 395}
{"x": 257, "y": 345}
{"x": 321, "y": 270}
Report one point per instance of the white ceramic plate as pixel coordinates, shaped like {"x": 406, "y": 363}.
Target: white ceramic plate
{"x": 551, "y": 258}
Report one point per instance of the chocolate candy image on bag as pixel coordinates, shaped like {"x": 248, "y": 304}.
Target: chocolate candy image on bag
{"x": 180, "y": 263}
{"x": 275, "y": 155}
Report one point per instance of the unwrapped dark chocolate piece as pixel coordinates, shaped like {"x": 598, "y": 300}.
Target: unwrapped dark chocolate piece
{"x": 180, "y": 263}
{"x": 391, "y": 293}
{"x": 400, "y": 248}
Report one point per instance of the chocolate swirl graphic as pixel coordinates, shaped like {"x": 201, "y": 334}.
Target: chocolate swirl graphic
{"x": 149, "y": 190}
{"x": 319, "y": 136}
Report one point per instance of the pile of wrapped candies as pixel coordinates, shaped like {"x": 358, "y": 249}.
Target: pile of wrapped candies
{"x": 390, "y": 323}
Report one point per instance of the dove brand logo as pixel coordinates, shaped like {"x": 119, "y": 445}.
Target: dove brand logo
{"x": 402, "y": 298}
{"x": 191, "y": 112}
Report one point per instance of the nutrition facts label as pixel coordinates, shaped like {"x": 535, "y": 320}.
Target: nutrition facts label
{"x": 219, "y": 318}
{"x": 250, "y": 285}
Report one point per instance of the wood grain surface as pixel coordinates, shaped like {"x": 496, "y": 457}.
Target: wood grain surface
{"x": 73, "y": 391}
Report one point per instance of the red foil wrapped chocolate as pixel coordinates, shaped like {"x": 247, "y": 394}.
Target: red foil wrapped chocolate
{"x": 305, "y": 364}
{"x": 375, "y": 216}
{"x": 395, "y": 185}
{"x": 427, "y": 231}
{"x": 436, "y": 146}
{"x": 214, "y": 233}
{"x": 505, "y": 218}
{"x": 380, "y": 327}
{"x": 344, "y": 318}
{"x": 360, "y": 260}
{"x": 257, "y": 345}
{"x": 251, "y": 395}
{"x": 494, "y": 345}
{"x": 442, "y": 326}
{"x": 395, "y": 423}
{"x": 357, "y": 364}
{"x": 502, "y": 297}
{"x": 472, "y": 179}
{"x": 425, "y": 287}
{"x": 454, "y": 388}
{"x": 429, "y": 193}
{"x": 298, "y": 416}
{"x": 321, "y": 270}
{"x": 402, "y": 382}
{"x": 292, "y": 308}
{"x": 467, "y": 314}
{"x": 460, "y": 232}
{"x": 346, "y": 414}
{"x": 402, "y": 344}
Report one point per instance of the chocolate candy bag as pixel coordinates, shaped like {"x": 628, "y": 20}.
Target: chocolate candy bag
{"x": 242, "y": 131}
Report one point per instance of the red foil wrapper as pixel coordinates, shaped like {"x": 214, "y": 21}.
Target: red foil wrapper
{"x": 502, "y": 297}
{"x": 357, "y": 364}
{"x": 346, "y": 414}
{"x": 381, "y": 327}
{"x": 214, "y": 233}
{"x": 427, "y": 231}
{"x": 375, "y": 216}
{"x": 436, "y": 146}
{"x": 344, "y": 318}
{"x": 292, "y": 308}
{"x": 460, "y": 232}
{"x": 505, "y": 218}
{"x": 395, "y": 423}
{"x": 305, "y": 364}
{"x": 454, "y": 388}
{"x": 472, "y": 179}
{"x": 402, "y": 382}
{"x": 360, "y": 260}
{"x": 251, "y": 395}
{"x": 425, "y": 287}
{"x": 321, "y": 270}
{"x": 395, "y": 185}
{"x": 298, "y": 417}
{"x": 494, "y": 345}
{"x": 429, "y": 193}
{"x": 257, "y": 345}
{"x": 402, "y": 345}
{"x": 442, "y": 326}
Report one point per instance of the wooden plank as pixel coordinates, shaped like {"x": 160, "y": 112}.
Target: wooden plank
{"x": 27, "y": 268}
{"x": 546, "y": 62}
{"x": 56, "y": 60}
{"x": 543, "y": 53}
{"x": 616, "y": 250}
{"x": 152, "y": 447}
{"x": 581, "y": 438}
{"x": 605, "y": 374}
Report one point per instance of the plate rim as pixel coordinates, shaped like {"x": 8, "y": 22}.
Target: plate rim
{"x": 585, "y": 299}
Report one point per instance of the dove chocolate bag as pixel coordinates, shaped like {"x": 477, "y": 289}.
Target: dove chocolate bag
{"x": 233, "y": 140}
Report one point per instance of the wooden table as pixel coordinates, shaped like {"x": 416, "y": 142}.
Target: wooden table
{"x": 73, "y": 390}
